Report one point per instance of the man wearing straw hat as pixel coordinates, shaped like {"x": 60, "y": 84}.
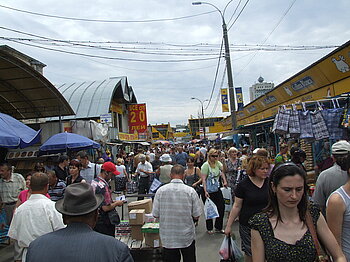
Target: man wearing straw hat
{"x": 78, "y": 242}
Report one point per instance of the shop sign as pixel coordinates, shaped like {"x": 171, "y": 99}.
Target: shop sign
{"x": 269, "y": 99}
{"x": 128, "y": 137}
{"x": 302, "y": 83}
{"x": 137, "y": 118}
{"x": 251, "y": 109}
{"x": 106, "y": 118}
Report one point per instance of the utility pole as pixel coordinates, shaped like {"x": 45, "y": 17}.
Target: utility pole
{"x": 228, "y": 62}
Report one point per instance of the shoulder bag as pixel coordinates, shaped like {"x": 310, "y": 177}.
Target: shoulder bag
{"x": 321, "y": 255}
{"x": 114, "y": 217}
{"x": 212, "y": 181}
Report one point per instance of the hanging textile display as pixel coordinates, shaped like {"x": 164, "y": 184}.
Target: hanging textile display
{"x": 280, "y": 125}
{"x": 294, "y": 124}
{"x": 319, "y": 125}
{"x": 331, "y": 117}
{"x": 305, "y": 125}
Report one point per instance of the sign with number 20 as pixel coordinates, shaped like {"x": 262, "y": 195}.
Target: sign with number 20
{"x": 137, "y": 118}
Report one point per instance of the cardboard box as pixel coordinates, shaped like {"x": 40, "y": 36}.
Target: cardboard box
{"x": 123, "y": 229}
{"x": 152, "y": 240}
{"x": 136, "y": 233}
{"x": 145, "y": 204}
{"x": 137, "y": 217}
{"x": 150, "y": 228}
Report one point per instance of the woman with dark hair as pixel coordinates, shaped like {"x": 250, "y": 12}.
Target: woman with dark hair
{"x": 281, "y": 232}
{"x": 338, "y": 214}
{"x": 193, "y": 175}
{"x": 251, "y": 196}
{"x": 74, "y": 172}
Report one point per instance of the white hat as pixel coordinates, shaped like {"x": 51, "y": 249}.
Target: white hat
{"x": 256, "y": 150}
{"x": 165, "y": 158}
{"x": 341, "y": 147}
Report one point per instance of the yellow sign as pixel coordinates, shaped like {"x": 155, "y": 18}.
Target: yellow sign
{"x": 128, "y": 137}
{"x": 224, "y": 100}
{"x": 116, "y": 108}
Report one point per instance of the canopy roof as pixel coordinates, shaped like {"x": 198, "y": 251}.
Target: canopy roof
{"x": 93, "y": 99}
{"x": 24, "y": 92}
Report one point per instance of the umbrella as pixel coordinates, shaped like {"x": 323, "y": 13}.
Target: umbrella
{"x": 14, "y": 134}
{"x": 63, "y": 142}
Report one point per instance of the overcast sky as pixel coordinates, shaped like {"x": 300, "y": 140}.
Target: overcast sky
{"x": 190, "y": 33}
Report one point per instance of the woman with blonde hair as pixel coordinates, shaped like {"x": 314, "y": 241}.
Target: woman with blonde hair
{"x": 122, "y": 178}
{"x": 211, "y": 171}
{"x": 231, "y": 166}
{"x": 251, "y": 196}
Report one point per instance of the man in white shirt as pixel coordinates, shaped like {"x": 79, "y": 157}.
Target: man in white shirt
{"x": 177, "y": 206}
{"x": 144, "y": 169}
{"x": 35, "y": 217}
{"x": 89, "y": 170}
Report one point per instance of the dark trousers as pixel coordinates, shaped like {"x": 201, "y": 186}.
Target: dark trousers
{"x": 218, "y": 200}
{"x": 143, "y": 186}
{"x": 174, "y": 254}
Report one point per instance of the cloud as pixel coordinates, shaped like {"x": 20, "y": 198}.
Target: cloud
{"x": 168, "y": 87}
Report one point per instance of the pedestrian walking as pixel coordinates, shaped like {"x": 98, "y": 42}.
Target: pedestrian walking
{"x": 78, "y": 242}
{"x": 334, "y": 177}
{"x": 35, "y": 217}
{"x": 286, "y": 229}
{"x": 144, "y": 169}
{"x": 177, "y": 206}
{"x": 100, "y": 185}
{"x": 251, "y": 196}
{"x": 211, "y": 171}
{"x": 11, "y": 184}
{"x": 338, "y": 214}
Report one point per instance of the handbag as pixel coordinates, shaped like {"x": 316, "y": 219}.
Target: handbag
{"x": 212, "y": 182}
{"x": 321, "y": 255}
{"x": 114, "y": 217}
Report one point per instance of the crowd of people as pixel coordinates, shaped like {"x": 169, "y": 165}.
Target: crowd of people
{"x": 270, "y": 200}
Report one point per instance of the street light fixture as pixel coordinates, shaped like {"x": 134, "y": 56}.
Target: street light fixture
{"x": 228, "y": 61}
{"x": 203, "y": 120}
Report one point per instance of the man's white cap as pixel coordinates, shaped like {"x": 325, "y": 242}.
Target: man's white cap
{"x": 341, "y": 147}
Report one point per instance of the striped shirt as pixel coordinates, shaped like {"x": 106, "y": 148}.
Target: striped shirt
{"x": 9, "y": 190}
{"x": 176, "y": 204}
{"x": 56, "y": 192}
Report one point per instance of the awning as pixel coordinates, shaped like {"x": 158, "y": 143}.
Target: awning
{"x": 144, "y": 143}
{"x": 24, "y": 92}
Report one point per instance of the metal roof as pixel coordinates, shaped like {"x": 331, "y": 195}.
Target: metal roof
{"x": 92, "y": 99}
{"x": 24, "y": 92}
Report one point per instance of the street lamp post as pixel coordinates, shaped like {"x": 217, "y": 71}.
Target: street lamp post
{"x": 203, "y": 125}
{"x": 228, "y": 61}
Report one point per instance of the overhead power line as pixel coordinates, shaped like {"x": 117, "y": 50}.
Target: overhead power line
{"x": 116, "y": 58}
{"x": 104, "y": 20}
{"x": 238, "y": 15}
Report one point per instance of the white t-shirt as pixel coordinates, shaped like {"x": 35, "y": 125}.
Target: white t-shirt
{"x": 120, "y": 169}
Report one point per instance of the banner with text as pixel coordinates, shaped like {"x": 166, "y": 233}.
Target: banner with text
{"x": 224, "y": 100}
{"x": 137, "y": 118}
{"x": 239, "y": 96}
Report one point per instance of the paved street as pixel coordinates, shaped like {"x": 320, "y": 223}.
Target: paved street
{"x": 207, "y": 245}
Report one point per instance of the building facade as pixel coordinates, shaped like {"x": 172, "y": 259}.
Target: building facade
{"x": 259, "y": 89}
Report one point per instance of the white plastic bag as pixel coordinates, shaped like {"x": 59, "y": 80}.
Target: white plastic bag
{"x": 155, "y": 185}
{"x": 232, "y": 254}
{"x": 226, "y": 193}
{"x": 210, "y": 210}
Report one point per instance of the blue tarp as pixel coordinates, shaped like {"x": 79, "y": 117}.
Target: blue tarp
{"x": 63, "y": 142}
{"x": 15, "y": 134}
